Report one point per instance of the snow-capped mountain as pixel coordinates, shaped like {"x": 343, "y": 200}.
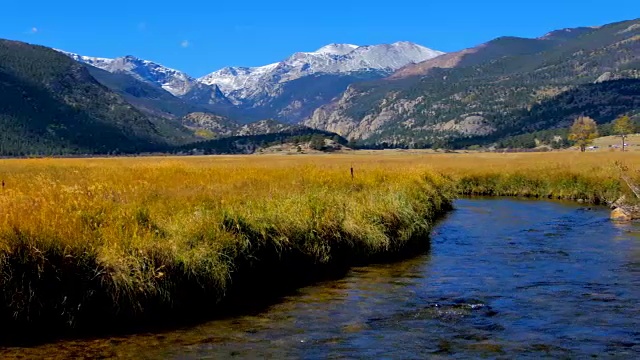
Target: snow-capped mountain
{"x": 243, "y": 84}
{"x": 289, "y": 90}
{"x": 174, "y": 81}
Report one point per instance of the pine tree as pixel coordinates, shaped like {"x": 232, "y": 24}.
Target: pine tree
{"x": 317, "y": 142}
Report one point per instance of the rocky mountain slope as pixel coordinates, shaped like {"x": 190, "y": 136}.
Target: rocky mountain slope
{"x": 482, "y": 91}
{"x": 211, "y": 126}
{"x": 146, "y": 97}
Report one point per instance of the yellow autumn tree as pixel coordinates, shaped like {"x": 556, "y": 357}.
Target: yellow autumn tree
{"x": 622, "y": 127}
{"x": 583, "y": 131}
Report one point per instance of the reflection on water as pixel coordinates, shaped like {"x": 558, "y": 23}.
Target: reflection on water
{"x": 504, "y": 278}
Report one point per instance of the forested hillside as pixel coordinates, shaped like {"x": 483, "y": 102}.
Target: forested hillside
{"x": 52, "y": 105}
{"x": 487, "y": 91}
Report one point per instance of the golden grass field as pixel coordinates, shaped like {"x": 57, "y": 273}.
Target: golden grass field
{"x": 89, "y": 240}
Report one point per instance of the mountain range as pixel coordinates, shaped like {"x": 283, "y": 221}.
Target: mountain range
{"x": 400, "y": 94}
{"x": 52, "y": 104}
{"x": 249, "y": 85}
{"x": 287, "y": 91}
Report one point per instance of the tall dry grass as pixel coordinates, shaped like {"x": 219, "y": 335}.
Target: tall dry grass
{"x": 90, "y": 241}
{"x": 592, "y": 177}
{"x": 103, "y": 239}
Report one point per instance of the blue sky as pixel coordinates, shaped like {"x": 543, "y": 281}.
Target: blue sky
{"x": 202, "y": 36}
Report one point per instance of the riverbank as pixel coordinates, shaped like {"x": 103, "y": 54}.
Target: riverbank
{"x": 107, "y": 243}
{"x": 86, "y": 243}
{"x": 481, "y": 292}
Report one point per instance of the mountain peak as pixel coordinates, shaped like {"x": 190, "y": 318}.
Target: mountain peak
{"x": 131, "y": 58}
{"x": 336, "y": 49}
{"x": 404, "y": 43}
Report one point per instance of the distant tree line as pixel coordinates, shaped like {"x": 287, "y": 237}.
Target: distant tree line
{"x": 251, "y": 143}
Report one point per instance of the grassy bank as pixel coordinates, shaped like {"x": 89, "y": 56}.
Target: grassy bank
{"x": 86, "y": 242}
{"x": 99, "y": 242}
{"x": 592, "y": 178}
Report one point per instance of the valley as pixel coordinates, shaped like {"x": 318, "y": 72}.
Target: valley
{"x": 326, "y": 204}
{"x": 399, "y": 95}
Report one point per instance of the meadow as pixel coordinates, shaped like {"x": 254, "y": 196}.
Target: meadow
{"x": 93, "y": 242}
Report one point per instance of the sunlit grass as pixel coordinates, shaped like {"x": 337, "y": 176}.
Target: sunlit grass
{"x": 87, "y": 239}
{"x": 121, "y": 236}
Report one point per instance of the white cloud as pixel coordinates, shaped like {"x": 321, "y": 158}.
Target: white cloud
{"x": 185, "y": 43}
{"x": 34, "y": 30}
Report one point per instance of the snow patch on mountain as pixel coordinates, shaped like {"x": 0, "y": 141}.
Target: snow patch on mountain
{"x": 337, "y": 49}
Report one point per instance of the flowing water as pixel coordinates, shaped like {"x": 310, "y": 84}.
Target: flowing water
{"x": 504, "y": 278}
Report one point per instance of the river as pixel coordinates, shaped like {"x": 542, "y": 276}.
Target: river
{"x": 504, "y": 278}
